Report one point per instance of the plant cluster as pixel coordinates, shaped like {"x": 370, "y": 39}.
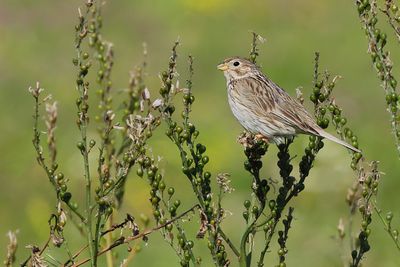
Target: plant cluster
{"x": 123, "y": 145}
{"x": 380, "y": 56}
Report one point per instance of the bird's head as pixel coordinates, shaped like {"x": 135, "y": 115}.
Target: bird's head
{"x": 237, "y": 68}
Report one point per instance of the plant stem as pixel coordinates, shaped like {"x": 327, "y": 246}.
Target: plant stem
{"x": 229, "y": 242}
{"x": 387, "y": 228}
{"x": 245, "y": 259}
{"x": 83, "y": 120}
{"x": 124, "y": 240}
{"x": 267, "y": 242}
{"x": 109, "y": 255}
{"x": 88, "y": 194}
{"x": 97, "y": 235}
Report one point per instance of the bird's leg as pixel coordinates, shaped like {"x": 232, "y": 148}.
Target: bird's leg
{"x": 245, "y": 139}
{"x": 262, "y": 137}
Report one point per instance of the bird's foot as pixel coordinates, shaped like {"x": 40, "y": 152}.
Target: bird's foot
{"x": 262, "y": 138}
{"x": 244, "y": 139}
{"x": 247, "y": 139}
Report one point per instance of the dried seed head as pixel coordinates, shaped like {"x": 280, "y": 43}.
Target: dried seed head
{"x": 35, "y": 91}
{"x": 11, "y": 248}
{"x": 340, "y": 228}
{"x": 36, "y": 259}
{"x": 224, "y": 182}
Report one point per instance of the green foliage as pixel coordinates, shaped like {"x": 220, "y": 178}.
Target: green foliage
{"x": 380, "y": 56}
{"x": 126, "y": 129}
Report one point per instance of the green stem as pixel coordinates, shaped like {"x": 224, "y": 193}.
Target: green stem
{"x": 183, "y": 235}
{"x": 195, "y": 188}
{"x": 83, "y": 122}
{"x": 97, "y": 237}
{"x": 88, "y": 194}
{"x": 229, "y": 242}
{"x": 182, "y": 232}
{"x": 85, "y": 154}
{"x": 267, "y": 242}
{"x": 245, "y": 259}
{"x": 109, "y": 255}
{"x": 387, "y": 228}
{"x": 100, "y": 210}
{"x": 41, "y": 161}
{"x": 385, "y": 71}
{"x": 77, "y": 213}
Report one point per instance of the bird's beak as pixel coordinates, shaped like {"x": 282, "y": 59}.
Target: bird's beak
{"x": 222, "y": 67}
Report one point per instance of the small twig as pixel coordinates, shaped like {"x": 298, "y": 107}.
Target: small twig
{"x": 128, "y": 219}
{"x": 392, "y": 21}
{"x": 387, "y": 227}
{"x": 381, "y": 61}
{"x": 124, "y": 240}
{"x": 254, "y": 49}
{"x": 76, "y": 254}
{"x": 111, "y": 229}
{"x": 229, "y": 242}
{"x": 40, "y": 252}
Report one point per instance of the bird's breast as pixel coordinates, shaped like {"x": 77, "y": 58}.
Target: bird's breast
{"x": 240, "y": 110}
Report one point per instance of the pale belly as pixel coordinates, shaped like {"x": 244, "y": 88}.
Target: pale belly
{"x": 275, "y": 132}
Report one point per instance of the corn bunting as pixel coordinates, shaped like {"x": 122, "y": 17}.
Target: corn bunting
{"x": 265, "y": 109}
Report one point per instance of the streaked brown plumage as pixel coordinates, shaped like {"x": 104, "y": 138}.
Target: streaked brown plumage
{"x": 265, "y": 109}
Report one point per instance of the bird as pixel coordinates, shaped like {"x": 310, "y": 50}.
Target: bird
{"x": 265, "y": 109}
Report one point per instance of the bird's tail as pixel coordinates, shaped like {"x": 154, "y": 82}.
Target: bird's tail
{"x": 337, "y": 140}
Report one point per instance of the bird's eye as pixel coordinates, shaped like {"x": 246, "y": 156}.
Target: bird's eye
{"x": 236, "y": 63}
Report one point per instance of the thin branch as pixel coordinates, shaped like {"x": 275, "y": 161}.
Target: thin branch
{"x": 229, "y": 242}
{"x": 40, "y": 252}
{"x": 387, "y": 227}
{"x": 124, "y": 240}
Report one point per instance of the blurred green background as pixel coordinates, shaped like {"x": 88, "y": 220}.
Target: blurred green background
{"x": 37, "y": 44}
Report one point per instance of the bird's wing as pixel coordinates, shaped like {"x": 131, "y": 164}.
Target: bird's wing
{"x": 278, "y": 103}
